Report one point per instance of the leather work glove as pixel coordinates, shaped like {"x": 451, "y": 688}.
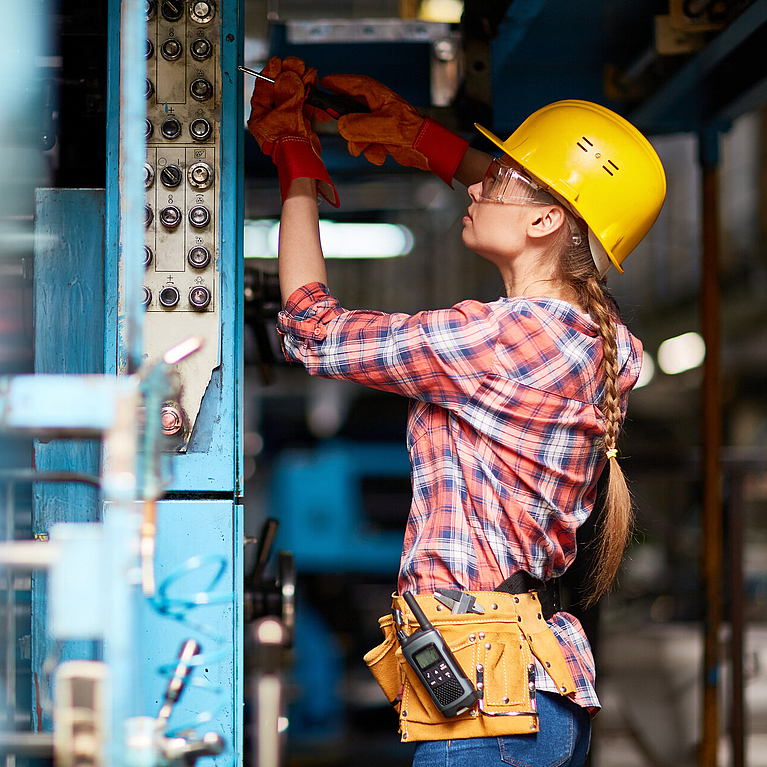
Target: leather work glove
{"x": 395, "y": 127}
{"x": 279, "y": 121}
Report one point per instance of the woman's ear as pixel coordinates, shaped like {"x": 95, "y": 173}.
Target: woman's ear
{"x": 546, "y": 220}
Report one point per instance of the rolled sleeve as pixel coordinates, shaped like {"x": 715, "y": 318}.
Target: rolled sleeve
{"x": 306, "y": 311}
{"x": 440, "y": 356}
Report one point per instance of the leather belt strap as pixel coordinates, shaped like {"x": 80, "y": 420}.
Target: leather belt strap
{"x": 549, "y": 592}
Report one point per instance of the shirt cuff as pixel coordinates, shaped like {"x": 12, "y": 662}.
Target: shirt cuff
{"x": 301, "y": 316}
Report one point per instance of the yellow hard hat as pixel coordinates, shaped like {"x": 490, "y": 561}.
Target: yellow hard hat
{"x": 600, "y": 165}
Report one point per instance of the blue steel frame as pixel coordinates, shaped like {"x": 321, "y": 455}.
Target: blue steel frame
{"x": 208, "y": 521}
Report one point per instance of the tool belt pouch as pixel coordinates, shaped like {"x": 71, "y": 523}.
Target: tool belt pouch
{"x": 496, "y": 652}
{"x": 383, "y": 663}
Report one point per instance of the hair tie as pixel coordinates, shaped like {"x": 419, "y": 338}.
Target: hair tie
{"x": 611, "y": 453}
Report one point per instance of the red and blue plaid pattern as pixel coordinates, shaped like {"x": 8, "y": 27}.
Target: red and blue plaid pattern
{"x": 504, "y": 433}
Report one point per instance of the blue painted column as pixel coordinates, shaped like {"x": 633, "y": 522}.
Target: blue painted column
{"x": 69, "y": 339}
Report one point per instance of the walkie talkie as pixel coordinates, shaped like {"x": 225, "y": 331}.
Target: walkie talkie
{"x": 430, "y": 657}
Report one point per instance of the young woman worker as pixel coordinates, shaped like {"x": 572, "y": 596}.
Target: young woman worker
{"x": 516, "y": 405}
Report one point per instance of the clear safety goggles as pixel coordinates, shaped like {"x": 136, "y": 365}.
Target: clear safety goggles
{"x": 505, "y": 183}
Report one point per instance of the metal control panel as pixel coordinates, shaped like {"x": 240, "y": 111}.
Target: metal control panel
{"x": 182, "y": 180}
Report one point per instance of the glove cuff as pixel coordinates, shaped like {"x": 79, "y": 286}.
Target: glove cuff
{"x": 295, "y": 157}
{"x": 442, "y": 149}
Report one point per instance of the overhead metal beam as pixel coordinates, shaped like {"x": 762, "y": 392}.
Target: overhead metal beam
{"x": 656, "y": 110}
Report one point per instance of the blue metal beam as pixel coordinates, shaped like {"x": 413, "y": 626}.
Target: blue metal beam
{"x": 655, "y": 110}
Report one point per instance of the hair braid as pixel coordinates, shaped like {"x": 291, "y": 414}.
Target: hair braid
{"x": 579, "y": 273}
{"x": 617, "y": 520}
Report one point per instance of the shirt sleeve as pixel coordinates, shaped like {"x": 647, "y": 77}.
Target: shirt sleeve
{"x": 436, "y": 356}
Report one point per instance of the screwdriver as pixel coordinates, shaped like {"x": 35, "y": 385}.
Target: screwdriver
{"x": 332, "y": 103}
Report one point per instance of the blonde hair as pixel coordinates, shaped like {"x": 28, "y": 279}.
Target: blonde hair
{"x": 578, "y": 272}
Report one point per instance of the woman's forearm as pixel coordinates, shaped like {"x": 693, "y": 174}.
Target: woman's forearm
{"x": 472, "y": 167}
{"x": 300, "y": 253}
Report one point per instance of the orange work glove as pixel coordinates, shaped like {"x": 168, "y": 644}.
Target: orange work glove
{"x": 282, "y": 128}
{"x": 395, "y": 127}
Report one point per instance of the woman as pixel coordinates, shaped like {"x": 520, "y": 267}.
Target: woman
{"x": 516, "y": 405}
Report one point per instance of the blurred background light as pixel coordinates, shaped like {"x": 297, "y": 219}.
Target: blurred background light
{"x": 338, "y": 240}
{"x": 648, "y": 371}
{"x": 448, "y": 11}
{"x": 685, "y": 352}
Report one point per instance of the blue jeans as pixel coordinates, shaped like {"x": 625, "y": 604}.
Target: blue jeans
{"x": 563, "y": 741}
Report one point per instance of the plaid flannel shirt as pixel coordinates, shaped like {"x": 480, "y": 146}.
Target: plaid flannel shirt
{"x": 504, "y": 433}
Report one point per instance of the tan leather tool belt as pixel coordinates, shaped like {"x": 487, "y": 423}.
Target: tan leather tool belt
{"x": 495, "y": 650}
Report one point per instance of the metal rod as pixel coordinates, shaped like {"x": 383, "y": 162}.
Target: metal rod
{"x": 30, "y": 475}
{"x": 255, "y": 74}
{"x": 34, "y": 745}
{"x": 10, "y": 620}
{"x": 737, "y": 618}
{"x": 27, "y": 555}
{"x": 711, "y": 429}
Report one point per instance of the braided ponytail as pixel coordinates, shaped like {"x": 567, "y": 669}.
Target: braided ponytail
{"x": 579, "y": 273}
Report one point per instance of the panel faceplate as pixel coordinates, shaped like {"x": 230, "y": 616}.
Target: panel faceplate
{"x": 182, "y": 180}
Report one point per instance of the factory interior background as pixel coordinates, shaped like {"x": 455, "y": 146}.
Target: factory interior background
{"x": 157, "y": 494}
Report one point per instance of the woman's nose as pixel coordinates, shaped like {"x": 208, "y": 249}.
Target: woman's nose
{"x": 475, "y": 192}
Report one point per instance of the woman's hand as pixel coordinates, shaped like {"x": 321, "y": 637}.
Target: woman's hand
{"x": 396, "y": 128}
{"x": 279, "y": 122}
{"x": 277, "y": 109}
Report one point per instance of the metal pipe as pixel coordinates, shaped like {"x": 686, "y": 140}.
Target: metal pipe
{"x": 10, "y": 620}
{"x": 30, "y": 475}
{"x": 711, "y": 429}
{"x": 737, "y": 619}
{"x": 33, "y": 745}
{"x": 27, "y": 555}
{"x": 132, "y": 153}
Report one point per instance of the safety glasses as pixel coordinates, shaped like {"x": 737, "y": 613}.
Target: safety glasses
{"x": 504, "y": 183}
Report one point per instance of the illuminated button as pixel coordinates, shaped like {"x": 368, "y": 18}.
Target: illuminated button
{"x": 171, "y": 419}
{"x": 171, "y": 49}
{"x": 200, "y": 175}
{"x": 201, "y": 89}
{"x": 148, "y": 129}
{"x": 201, "y": 49}
{"x": 169, "y": 296}
{"x": 148, "y": 216}
{"x": 148, "y": 175}
{"x": 200, "y": 129}
{"x": 149, "y": 89}
{"x": 198, "y": 257}
{"x": 172, "y": 10}
{"x": 201, "y": 11}
{"x": 171, "y": 128}
{"x": 149, "y": 49}
{"x": 170, "y": 216}
{"x": 199, "y": 297}
{"x": 147, "y": 255}
{"x": 146, "y": 296}
{"x": 199, "y": 216}
{"x": 171, "y": 176}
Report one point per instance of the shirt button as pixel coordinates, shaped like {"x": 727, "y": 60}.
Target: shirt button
{"x": 316, "y": 331}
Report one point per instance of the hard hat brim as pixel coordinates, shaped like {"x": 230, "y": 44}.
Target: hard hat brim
{"x": 593, "y": 239}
